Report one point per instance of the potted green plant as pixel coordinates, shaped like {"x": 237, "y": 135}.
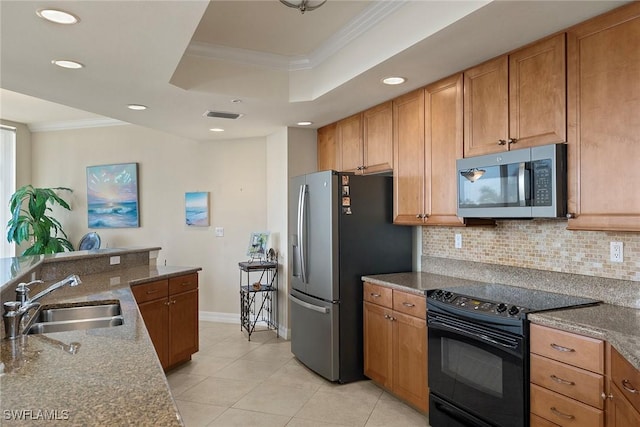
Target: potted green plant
{"x": 32, "y": 221}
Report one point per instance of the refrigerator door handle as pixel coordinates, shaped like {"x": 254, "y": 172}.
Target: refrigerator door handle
{"x": 301, "y": 232}
{"x": 323, "y": 310}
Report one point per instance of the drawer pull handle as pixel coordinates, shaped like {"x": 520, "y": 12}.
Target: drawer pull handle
{"x": 408, "y": 304}
{"x": 152, "y": 291}
{"x": 561, "y": 348}
{"x": 184, "y": 284}
{"x": 375, "y": 295}
{"x": 561, "y": 381}
{"x": 562, "y": 414}
{"x": 629, "y": 387}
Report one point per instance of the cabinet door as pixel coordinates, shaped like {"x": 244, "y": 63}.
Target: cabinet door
{"x": 378, "y": 138}
{"x": 156, "y": 317}
{"x": 328, "y": 148}
{"x": 408, "y": 159}
{"x": 537, "y": 94}
{"x": 183, "y": 326}
{"x": 443, "y": 142}
{"x": 486, "y": 103}
{"x": 410, "y": 359}
{"x": 603, "y": 65}
{"x": 350, "y": 141}
{"x": 377, "y": 344}
{"x": 620, "y": 413}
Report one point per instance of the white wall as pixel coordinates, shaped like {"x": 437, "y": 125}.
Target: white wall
{"x": 234, "y": 172}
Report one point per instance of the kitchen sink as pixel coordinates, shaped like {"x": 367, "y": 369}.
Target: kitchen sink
{"x": 76, "y": 316}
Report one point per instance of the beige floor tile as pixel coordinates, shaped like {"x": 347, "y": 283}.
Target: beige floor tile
{"x": 241, "y": 418}
{"x": 198, "y": 414}
{"x": 232, "y": 348}
{"x": 181, "y": 381}
{"x": 365, "y": 391}
{"x": 280, "y": 351}
{"x": 218, "y": 391}
{"x": 275, "y": 399}
{"x": 393, "y": 413}
{"x": 300, "y": 422}
{"x": 295, "y": 374}
{"x": 204, "y": 365}
{"x": 249, "y": 370}
{"x": 337, "y": 408}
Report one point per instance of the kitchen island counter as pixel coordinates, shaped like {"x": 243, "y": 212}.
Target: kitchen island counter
{"x": 104, "y": 376}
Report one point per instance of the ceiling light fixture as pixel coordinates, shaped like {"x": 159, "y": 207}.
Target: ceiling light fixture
{"x": 137, "y": 107}
{"x": 58, "y": 16}
{"x": 393, "y": 80}
{"x": 65, "y": 63}
{"x": 236, "y": 101}
{"x": 304, "y": 5}
{"x": 216, "y": 130}
{"x": 305, "y": 123}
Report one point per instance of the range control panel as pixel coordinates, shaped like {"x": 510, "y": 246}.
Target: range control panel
{"x": 477, "y": 305}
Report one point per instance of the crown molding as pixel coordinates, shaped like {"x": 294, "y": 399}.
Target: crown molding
{"x": 359, "y": 25}
{"x": 73, "y": 124}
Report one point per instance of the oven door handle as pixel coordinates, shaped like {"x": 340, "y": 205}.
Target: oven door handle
{"x": 444, "y": 326}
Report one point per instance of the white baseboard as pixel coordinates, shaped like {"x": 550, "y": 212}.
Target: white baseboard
{"x": 213, "y": 316}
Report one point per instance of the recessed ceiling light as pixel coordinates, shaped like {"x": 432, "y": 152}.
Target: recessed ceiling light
{"x": 65, "y": 63}
{"x": 393, "y": 80}
{"x": 58, "y": 16}
{"x": 137, "y": 107}
{"x": 236, "y": 101}
{"x": 216, "y": 130}
{"x": 305, "y": 123}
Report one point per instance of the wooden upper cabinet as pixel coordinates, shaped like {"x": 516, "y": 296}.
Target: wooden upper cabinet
{"x": 349, "y": 133}
{"x": 328, "y": 148}
{"x": 378, "y": 138}
{"x": 486, "y": 108}
{"x": 409, "y": 159}
{"x": 443, "y": 142}
{"x": 603, "y": 71}
{"x": 517, "y": 100}
{"x": 537, "y": 94}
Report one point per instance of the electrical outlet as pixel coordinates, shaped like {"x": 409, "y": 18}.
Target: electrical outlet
{"x": 458, "y": 241}
{"x": 616, "y": 251}
{"x": 219, "y": 231}
{"x": 114, "y": 260}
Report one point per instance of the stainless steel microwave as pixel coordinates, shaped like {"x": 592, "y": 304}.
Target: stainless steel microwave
{"x": 524, "y": 183}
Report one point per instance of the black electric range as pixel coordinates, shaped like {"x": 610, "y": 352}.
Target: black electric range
{"x": 479, "y": 352}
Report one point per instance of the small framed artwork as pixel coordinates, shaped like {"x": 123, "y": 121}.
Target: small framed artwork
{"x": 196, "y": 209}
{"x": 258, "y": 244}
{"x": 112, "y": 196}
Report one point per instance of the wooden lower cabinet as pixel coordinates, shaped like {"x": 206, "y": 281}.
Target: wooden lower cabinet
{"x": 623, "y": 403}
{"x": 620, "y": 413}
{"x": 169, "y": 308}
{"x": 395, "y": 343}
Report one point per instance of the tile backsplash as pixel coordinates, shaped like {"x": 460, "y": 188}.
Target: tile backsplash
{"x": 538, "y": 244}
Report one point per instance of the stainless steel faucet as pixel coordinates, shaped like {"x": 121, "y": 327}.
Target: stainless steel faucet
{"x": 14, "y": 311}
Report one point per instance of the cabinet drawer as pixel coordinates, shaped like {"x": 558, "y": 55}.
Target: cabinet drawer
{"x": 576, "y": 350}
{"x": 184, "y": 283}
{"x": 150, "y": 291}
{"x": 573, "y": 382}
{"x": 414, "y": 305}
{"x": 626, "y": 377}
{"x": 562, "y": 410}
{"x": 537, "y": 421}
{"x": 377, "y": 294}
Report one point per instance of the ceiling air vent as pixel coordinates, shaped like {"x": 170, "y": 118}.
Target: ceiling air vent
{"x": 222, "y": 115}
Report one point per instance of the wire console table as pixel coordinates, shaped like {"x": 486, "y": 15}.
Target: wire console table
{"x": 258, "y": 296}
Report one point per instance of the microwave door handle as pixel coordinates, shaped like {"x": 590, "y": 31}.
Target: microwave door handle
{"x": 521, "y": 184}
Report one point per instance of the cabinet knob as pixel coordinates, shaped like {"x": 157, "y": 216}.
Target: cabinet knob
{"x": 167, "y": 303}
{"x": 571, "y": 215}
{"x": 606, "y": 396}
{"x": 513, "y": 140}
{"x": 502, "y": 142}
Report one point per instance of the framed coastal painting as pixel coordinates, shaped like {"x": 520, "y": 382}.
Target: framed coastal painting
{"x": 112, "y": 196}
{"x": 196, "y": 206}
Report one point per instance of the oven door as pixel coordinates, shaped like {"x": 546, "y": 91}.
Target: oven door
{"x": 476, "y": 374}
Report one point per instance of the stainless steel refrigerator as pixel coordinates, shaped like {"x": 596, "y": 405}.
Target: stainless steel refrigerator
{"x": 340, "y": 229}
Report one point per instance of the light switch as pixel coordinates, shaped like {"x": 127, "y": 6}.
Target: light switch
{"x": 219, "y": 231}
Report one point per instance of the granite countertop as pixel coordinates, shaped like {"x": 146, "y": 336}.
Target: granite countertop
{"x": 416, "y": 282}
{"x": 618, "y": 325}
{"x": 114, "y": 378}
